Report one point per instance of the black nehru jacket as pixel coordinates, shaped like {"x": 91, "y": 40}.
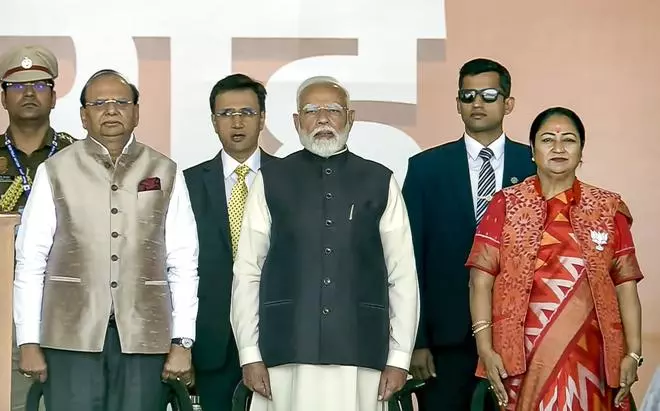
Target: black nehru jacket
{"x": 324, "y": 288}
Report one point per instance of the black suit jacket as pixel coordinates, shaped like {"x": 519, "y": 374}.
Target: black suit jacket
{"x": 206, "y": 186}
{"x": 438, "y": 196}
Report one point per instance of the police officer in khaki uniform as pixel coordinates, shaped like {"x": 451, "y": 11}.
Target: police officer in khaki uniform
{"x": 27, "y": 80}
{"x": 27, "y": 77}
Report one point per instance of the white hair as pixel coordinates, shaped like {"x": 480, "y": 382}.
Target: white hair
{"x": 320, "y": 80}
{"x": 324, "y": 147}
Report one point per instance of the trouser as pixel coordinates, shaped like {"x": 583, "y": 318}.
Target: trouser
{"x": 105, "y": 381}
{"x": 216, "y": 387}
{"x": 455, "y": 383}
{"x": 20, "y": 385}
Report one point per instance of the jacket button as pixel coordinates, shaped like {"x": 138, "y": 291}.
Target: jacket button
{"x": 113, "y": 284}
{"x": 328, "y": 196}
{"x": 327, "y": 281}
{"x": 328, "y": 171}
{"x": 328, "y": 223}
{"x": 114, "y": 234}
{"x": 327, "y": 250}
{"x": 114, "y": 187}
{"x": 326, "y": 311}
{"x": 114, "y": 257}
{"x": 114, "y": 210}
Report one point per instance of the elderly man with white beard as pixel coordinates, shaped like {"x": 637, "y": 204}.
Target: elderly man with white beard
{"x": 325, "y": 300}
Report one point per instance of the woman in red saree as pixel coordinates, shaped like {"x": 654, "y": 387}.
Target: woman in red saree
{"x": 554, "y": 302}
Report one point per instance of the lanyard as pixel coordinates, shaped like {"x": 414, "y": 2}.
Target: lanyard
{"x": 19, "y": 166}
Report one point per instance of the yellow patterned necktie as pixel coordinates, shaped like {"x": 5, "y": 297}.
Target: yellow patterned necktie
{"x": 237, "y": 204}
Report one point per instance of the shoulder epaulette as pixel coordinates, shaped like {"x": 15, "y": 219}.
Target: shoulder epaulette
{"x": 65, "y": 138}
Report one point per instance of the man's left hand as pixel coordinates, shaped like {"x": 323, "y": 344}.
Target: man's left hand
{"x": 392, "y": 379}
{"x": 178, "y": 365}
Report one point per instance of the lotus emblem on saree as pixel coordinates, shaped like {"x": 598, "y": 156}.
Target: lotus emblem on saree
{"x": 599, "y": 238}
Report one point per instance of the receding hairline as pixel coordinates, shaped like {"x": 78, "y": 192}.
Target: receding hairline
{"x": 107, "y": 73}
{"x": 321, "y": 81}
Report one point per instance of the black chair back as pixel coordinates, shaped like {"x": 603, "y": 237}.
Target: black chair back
{"x": 401, "y": 401}
{"x": 178, "y": 397}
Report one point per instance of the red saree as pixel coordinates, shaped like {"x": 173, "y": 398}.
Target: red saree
{"x": 563, "y": 341}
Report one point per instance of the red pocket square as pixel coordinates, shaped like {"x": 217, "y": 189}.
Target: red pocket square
{"x": 149, "y": 184}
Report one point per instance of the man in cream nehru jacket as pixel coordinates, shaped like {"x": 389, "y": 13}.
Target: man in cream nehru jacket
{"x": 106, "y": 272}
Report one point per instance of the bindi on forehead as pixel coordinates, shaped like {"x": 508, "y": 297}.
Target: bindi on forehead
{"x": 560, "y": 126}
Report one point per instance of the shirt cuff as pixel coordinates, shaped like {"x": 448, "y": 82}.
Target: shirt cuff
{"x": 399, "y": 359}
{"x": 183, "y": 329}
{"x": 28, "y": 334}
{"x": 249, "y": 355}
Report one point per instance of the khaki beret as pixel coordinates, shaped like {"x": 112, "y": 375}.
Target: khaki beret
{"x": 28, "y": 63}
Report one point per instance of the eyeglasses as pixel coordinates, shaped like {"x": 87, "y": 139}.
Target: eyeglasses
{"x": 489, "y": 95}
{"x": 38, "y": 86}
{"x": 243, "y": 112}
{"x": 121, "y": 103}
{"x": 334, "y": 110}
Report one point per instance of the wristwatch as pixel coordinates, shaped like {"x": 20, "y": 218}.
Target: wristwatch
{"x": 186, "y": 343}
{"x": 637, "y": 358}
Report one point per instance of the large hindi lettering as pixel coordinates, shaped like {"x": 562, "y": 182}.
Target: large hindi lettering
{"x": 381, "y": 70}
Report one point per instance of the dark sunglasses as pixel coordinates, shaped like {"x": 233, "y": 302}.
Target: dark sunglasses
{"x": 489, "y": 95}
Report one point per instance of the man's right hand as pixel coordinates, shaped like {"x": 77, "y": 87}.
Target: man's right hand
{"x": 421, "y": 364}
{"x": 32, "y": 362}
{"x": 255, "y": 377}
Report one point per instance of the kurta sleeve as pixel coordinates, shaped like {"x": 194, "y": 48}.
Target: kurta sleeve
{"x": 182, "y": 247}
{"x": 413, "y": 195}
{"x": 402, "y": 278}
{"x": 485, "y": 253}
{"x": 624, "y": 264}
{"x": 33, "y": 244}
{"x": 253, "y": 247}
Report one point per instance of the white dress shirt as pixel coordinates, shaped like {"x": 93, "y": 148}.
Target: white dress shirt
{"x": 229, "y": 165}
{"x": 253, "y": 248}
{"x": 35, "y": 238}
{"x": 475, "y": 162}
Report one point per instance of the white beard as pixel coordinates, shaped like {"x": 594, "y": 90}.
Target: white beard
{"x": 324, "y": 147}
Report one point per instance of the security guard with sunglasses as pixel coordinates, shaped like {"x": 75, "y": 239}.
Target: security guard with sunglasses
{"x": 447, "y": 190}
{"x": 27, "y": 77}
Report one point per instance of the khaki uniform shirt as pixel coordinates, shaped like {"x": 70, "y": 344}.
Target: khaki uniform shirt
{"x": 9, "y": 173}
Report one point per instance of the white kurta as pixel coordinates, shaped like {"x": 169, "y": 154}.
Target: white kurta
{"x": 302, "y": 387}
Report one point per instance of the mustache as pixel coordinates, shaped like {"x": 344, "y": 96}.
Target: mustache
{"x": 324, "y": 129}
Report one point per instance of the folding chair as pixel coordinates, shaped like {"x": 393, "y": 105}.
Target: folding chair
{"x": 178, "y": 397}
